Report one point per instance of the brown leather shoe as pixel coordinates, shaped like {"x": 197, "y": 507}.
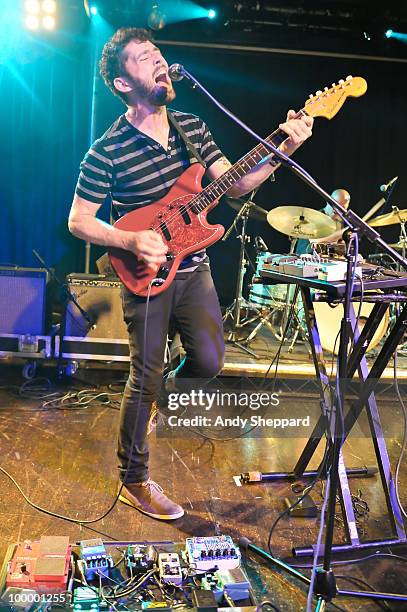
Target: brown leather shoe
{"x": 149, "y": 498}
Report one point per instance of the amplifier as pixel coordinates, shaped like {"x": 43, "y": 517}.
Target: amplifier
{"x": 106, "y": 338}
{"x": 23, "y": 300}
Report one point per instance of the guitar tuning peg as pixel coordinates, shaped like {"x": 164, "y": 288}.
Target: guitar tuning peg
{"x": 319, "y": 93}
{"x": 349, "y": 78}
{"x": 341, "y": 82}
{"x": 325, "y": 88}
{"x": 333, "y": 84}
{"x": 311, "y": 96}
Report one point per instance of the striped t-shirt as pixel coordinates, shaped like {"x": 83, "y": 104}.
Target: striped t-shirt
{"x": 137, "y": 171}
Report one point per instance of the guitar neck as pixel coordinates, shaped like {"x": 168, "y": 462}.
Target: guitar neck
{"x": 243, "y": 166}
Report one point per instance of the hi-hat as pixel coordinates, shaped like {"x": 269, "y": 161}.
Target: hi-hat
{"x": 301, "y": 222}
{"x": 255, "y": 211}
{"x": 395, "y": 216}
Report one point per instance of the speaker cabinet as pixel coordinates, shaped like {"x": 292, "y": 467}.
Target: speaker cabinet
{"x": 104, "y": 336}
{"x": 23, "y": 301}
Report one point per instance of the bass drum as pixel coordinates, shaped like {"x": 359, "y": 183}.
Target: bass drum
{"x": 270, "y": 296}
{"x": 329, "y": 322}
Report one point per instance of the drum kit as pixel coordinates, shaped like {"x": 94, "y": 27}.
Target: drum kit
{"x": 272, "y": 305}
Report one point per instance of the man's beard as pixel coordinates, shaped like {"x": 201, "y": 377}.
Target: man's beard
{"x": 156, "y": 96}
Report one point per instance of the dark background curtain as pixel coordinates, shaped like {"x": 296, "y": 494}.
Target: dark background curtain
{"x": 46, "y": 125}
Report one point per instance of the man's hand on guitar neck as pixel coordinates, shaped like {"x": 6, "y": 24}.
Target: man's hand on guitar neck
{"x": 297, "y": 130}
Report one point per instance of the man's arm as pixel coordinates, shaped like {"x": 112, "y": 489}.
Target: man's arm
{"x": 297, "y": 130}
{"x": 83, "y": 223}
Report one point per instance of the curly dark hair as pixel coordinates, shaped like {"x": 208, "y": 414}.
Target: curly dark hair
{"x": 112, "y": 62}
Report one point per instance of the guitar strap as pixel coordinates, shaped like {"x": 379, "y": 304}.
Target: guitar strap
{"x": 192, "y": 152}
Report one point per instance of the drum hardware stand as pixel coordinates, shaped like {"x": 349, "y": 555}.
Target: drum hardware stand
{"x": 403, "y": 240}
{"x": 265, "y": 320}
{"x": 240, "y": 303}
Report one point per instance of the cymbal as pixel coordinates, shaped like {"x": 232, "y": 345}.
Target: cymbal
{"x": 255, "y": 211}
{"x": 301, "y": 222}
{"x": 395, "y": 216}
{"x": 400, "y": 245}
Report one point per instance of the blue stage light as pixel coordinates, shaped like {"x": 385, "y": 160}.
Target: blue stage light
{"x": 211, "y": 14}
{"x": 93, "y": 10}
{"x": 388, "y": 33}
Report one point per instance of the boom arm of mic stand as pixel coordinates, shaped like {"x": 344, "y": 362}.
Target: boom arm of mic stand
{"x": 352, "y": 220}
{"x": 283, "y": 158}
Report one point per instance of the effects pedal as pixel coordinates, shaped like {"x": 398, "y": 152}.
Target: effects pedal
{"x": 95, "y": 558}
{"x": 170, "y": 568}
{"x": 208, "y": 553}
{"x": 140, "y": 558}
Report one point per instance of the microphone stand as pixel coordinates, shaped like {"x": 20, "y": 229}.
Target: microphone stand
{"x": 325, "y": 584}
{"x": 350, "y": 218}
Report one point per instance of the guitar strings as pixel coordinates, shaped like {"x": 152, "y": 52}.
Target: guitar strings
{"x": 195, "y": 201}
{"x": 248, "y": 156}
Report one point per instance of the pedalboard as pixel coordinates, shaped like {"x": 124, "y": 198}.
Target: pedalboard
{"x": 93, "y": 575}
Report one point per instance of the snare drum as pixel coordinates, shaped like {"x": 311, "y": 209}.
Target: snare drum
{"x": 272, "y": 296}
{"x": 329, "y": 323}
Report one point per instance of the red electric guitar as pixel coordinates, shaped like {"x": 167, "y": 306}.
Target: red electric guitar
{"x": 180, "y": 217}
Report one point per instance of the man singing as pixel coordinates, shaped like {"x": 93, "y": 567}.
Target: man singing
{"x": 137, "y": 161}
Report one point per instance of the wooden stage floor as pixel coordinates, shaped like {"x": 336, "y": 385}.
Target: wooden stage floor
{"x": 64, "y": 461}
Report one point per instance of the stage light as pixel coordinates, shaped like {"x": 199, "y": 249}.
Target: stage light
{"x": 32, "y": 7}
{"x": 399, "y": 36}
{"x": 48, "y": 22}
{"x": 93, "y": 10}
{"x": 44, "y": 12}
{"x": 156, "y": 19}
{"x": 32, "y": 22}
{"x": 211, "y": 14}
{"x": 49, "y": 6}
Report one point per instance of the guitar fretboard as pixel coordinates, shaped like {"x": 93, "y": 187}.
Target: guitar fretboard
{"x": 221, "y": 185}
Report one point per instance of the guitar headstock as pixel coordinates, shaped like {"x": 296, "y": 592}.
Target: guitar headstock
{"x": 328, "y": 102}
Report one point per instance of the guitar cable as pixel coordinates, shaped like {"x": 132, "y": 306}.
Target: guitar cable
{"x": 99, "y": 518}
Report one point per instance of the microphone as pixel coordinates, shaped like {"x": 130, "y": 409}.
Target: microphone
{"x": 259, "y": 244}
{"x": 176, "y": 72}
{"x": 386, "y": 187}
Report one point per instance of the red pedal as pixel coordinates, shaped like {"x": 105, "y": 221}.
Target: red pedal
{"x": 41, "y": 565}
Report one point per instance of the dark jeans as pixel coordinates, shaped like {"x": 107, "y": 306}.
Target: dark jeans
{"x": 190, "y": 300}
